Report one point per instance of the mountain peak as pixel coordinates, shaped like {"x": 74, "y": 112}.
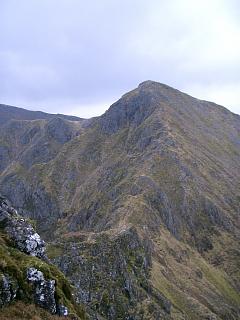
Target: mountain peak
{"x": 138, "y": 104}
{"x": 150, "y": 84}
{"x": 151, "y": 97}
{"x": 147, "y": 83}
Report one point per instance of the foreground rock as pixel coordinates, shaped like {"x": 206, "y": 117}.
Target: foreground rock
{"x": 20, "y": 231}
{"x": 44, "y": 290}
{"x": 8, "y": 290}
{"x": 25, "y": 273}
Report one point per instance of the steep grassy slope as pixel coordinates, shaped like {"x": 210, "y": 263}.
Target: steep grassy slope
{"x": 165, "y": 164}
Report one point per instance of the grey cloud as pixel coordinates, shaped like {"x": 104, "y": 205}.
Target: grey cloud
{"x": 78, "y": 56}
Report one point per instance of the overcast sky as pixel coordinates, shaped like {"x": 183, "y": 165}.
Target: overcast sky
{"x": 78, "y": 57}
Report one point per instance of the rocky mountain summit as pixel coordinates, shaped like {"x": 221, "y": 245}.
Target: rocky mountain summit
{"x": 140, "y": 206}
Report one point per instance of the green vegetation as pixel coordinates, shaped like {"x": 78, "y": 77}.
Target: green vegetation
{"x": 15, "y": 264}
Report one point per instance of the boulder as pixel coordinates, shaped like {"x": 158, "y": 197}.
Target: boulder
{"x": 21, "y": 231}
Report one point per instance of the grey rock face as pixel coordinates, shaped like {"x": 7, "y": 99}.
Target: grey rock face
{"x": 34, "y": 275}
{"x": 8, "y": 290}
{"x": 111, "y": 275}
{"x": 59, "y": 130}
{"x": 216, "y": 216}
{"x": 44, "y": 295}
{"x": 44, "y": 290}
{"x": 43, "y": 144}
{"x": 36, "y": 141}
{"x": 120, "y": 114}
{"x": 38, "y": 153}
{"x": 20, "y": 231}
{"x": 28, "y": 241}
{"x": 33, "y": 201}
{"x": 28, "y": 136}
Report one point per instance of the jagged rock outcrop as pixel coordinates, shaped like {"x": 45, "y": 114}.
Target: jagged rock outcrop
{"x": 20, "y": 231}
{"x": 8, "y": 289}
{"x": 25, "y": 272}
{"x": 44, "y": 290}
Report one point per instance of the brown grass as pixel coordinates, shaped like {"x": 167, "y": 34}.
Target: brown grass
{"x": 22, "y": 311}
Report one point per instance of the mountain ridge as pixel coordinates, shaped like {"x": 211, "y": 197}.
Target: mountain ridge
{"x": 18, "y": 113}
{"x": 158, "y": 163}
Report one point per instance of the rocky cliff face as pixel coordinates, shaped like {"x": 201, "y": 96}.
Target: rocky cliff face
{"x": 141, "y": 205}
{"x": 25, "y": 238}
{"x": 25, "y": 271}
{"x": 24, "y": 145}
{"x": 112, "y": 274}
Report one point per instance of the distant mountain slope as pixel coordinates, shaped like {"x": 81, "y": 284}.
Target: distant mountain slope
{"x": 13, "y": 113}
{"x": 35, "y": 141}
{"x": 159, "y": 170}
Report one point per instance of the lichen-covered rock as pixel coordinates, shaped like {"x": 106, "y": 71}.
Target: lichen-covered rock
{"x": 62, "y": 310}
{"x": 44, "y": 289}
{"x": 35, "y": 275}
{"x": 44, "y": 295}
{"x": 8, "y": 289}
{"x": 20, "y": 231}
{"x": 25, "y": 272}
{"x": 44, "y": 292}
